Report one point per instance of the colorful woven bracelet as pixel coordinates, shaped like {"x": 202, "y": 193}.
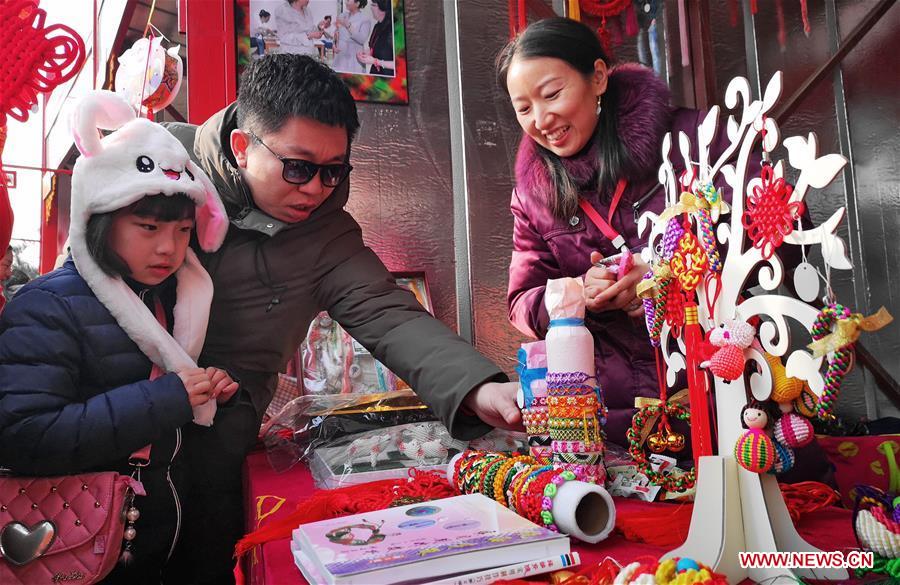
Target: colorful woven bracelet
{"x": 521, "y": 496}
{"x": 550, "y": 491}
{"x": 576, "y": 447}
{"x": 536, "y": 494}
{"x": 504, "y": 475}
{"x": 580, "y": 400}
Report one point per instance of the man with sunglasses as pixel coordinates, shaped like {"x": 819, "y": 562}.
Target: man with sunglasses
{"x": 279, "y": 158}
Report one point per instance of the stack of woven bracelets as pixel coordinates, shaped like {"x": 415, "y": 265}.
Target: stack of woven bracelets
{"x": 529, "y": 489}
{"x": 576, "y": 417}
{"x": 532, "y": 398}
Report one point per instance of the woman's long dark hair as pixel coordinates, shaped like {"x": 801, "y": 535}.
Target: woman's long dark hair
{"x": 577, "y": 45}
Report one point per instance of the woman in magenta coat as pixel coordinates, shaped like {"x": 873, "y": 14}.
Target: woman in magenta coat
{"x": 590, "y": 131}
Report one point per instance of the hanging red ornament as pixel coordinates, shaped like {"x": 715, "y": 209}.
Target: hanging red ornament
{"x": 605, "y": 8}
{"x": 38, "y": 59}
{"x": 689, "y": 261}
{"x": 770, "y": 213}
{"x": 44, "y": 57}
{"x": 804, "y": 14}
{"x": 674, "y": 307}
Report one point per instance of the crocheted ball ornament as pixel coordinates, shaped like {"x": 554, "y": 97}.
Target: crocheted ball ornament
{"x": 784, "y": 458}
{"x": 728, "y": 363}
{"x": 794, "y": 431}
{"x": 806, "y": 403}
{"x": 754, "y": 451}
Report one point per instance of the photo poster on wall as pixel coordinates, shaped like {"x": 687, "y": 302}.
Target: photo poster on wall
{"x": 363, "y": 40}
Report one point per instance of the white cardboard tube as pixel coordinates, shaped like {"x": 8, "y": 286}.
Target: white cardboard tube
{"x": 580, "y": 509}
{"x": 584, "y": 510}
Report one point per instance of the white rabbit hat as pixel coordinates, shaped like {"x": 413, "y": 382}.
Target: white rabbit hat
{"x": 142, "y": 158}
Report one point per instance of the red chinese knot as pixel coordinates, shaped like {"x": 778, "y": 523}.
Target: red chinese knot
{"x": 770, "y": 214}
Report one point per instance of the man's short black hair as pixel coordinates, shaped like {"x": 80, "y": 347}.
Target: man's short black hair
{"x": 158, "y": 207}
{"x": 278, "y": 87}
{"x": 264, "y": 14}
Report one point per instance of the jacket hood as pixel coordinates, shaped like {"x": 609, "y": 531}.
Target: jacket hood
{"x": 643, "y": 115}
{"x": 212, "y": 148}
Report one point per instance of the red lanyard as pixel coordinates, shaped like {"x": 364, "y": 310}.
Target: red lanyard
{"x": 606, "y": 226}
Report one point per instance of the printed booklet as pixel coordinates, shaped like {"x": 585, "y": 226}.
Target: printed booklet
{"x": 420, "y": 542}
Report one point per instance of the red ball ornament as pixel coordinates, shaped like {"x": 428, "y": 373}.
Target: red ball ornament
{"x": 794, "y": 431}
{"x": 728, "y": 363}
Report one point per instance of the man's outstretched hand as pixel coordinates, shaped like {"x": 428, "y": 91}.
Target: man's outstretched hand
{"x": 495, "y": 404}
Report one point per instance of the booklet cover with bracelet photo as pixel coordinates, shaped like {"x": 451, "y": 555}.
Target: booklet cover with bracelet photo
{"x": 420, "y": 542}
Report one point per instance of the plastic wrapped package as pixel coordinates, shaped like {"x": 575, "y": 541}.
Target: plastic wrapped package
{"x": 335, "y": 363}
{"x": 313, "y": 420}
{"x": 391, "y": 452}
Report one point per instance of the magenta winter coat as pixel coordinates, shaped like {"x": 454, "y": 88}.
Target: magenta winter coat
{"x": 547, "y": 247}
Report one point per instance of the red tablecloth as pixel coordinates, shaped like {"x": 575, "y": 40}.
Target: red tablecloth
{"x": 271, "y": 495}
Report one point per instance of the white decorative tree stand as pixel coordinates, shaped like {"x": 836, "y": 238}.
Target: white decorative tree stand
{"x": 736, "y": 509}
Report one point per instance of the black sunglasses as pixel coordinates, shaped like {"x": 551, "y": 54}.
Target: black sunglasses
{"x": 300, "y": 172}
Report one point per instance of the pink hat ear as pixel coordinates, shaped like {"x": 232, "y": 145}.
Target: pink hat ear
{"x": 98, "y": 110}
{"x": 212, "y": 220}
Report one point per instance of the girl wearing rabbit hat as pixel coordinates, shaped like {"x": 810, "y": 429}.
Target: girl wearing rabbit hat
{"x": 98, "y": 357}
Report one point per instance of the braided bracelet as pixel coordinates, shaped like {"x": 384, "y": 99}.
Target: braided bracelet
{"x": 532, "y": 507}
{"x": 667, "y": 481}
{"x": 839, "y": 364}
{"x": 514, "y": 485}
{"x": 503, "y": 475}
{"x": 520, "y": 497}
{"x": 550, "y": 491}
{"x": 489, "y": 474}
{"x": 576, "y": 447}
{"x": 461, "y": 465}
{"x": 587, "y": 400}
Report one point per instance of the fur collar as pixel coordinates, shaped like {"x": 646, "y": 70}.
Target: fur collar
{"x": 644, "y": 115}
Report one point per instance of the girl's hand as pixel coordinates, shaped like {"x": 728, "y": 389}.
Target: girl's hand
{"x": 364, "y": 58}
{"x": 223, "y": 387}
{"x": 196, "y": 383}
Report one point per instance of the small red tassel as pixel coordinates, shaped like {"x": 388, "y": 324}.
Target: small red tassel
{"x": 804, "y": 14}
{"x": 631, "y": 22}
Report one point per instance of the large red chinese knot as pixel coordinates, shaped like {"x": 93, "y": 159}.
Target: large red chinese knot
{"x": 37, "y": 60}
{"x": 770, "y": 213}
